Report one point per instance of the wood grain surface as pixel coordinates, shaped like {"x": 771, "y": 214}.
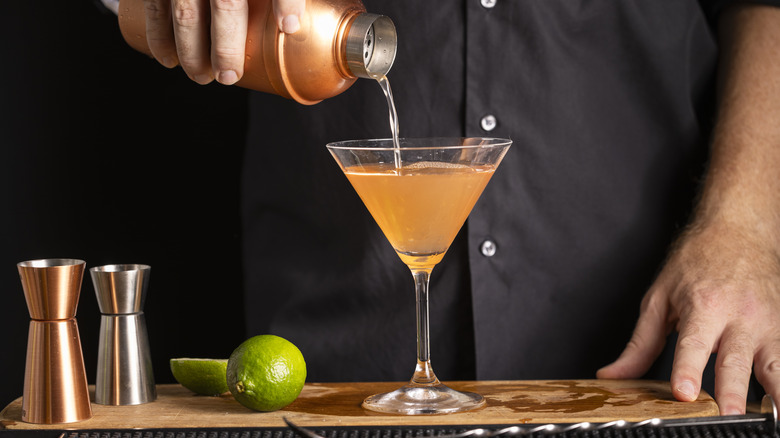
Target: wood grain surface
{"x": 338, "y": 404}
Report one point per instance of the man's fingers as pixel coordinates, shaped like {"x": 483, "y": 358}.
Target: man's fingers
{"x": 732, "y": 371}
{"x": 767, "y": 368}
{"x": 228, "y": 34}
{"x": 159, "y": 33}
{"x": 288, "y": 14}
{"x": 208, "y": 37}
{"x": 694, "y": 347}
{"x": 646, "y": 342}
{"x": 190, "y": 25}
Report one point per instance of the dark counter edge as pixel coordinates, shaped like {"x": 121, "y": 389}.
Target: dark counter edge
{"x": 275, "y": 432}
{"x": 741, "y": 430}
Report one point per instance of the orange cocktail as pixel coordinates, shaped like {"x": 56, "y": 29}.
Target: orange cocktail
{"x": 420, "y": 207}
{"x": 420, "y": 192}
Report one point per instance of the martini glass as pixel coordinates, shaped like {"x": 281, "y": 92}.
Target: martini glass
{"x": 420, "y": 194}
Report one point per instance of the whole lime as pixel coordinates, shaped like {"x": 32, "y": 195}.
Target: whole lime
{"x": 202, "y": 376}
{"x": 266, "y": 373}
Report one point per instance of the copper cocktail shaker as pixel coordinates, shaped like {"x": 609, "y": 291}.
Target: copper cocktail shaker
{"x": 337, "y": 43}
{"x": 55, "y": 381}
{"x": 124, "y": 372}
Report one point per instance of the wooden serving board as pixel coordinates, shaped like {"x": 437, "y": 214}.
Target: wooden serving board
{"x": 338, "y": 404}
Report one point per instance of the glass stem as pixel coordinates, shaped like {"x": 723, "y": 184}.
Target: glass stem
{"x": 423, "y": 373}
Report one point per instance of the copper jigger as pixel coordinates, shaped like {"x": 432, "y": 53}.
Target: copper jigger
{"x": 55, "y": 381}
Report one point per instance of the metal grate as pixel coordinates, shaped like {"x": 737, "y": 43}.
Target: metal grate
{"x": 759, "y": 430}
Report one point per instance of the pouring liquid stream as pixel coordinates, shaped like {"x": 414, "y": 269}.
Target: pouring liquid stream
{"x": 385, "y": 85}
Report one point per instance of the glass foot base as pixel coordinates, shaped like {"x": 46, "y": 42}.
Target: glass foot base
{"x": 424, "y": 400}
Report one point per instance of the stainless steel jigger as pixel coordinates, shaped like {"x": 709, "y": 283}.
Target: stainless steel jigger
{"x": 124, "y": 372}
{"x": 55, "y": 381}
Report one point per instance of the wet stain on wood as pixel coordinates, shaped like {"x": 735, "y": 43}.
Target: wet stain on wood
{"x": 570, "y": 397}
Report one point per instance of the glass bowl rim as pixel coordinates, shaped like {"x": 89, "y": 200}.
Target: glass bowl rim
{"x": 346, "y": 144}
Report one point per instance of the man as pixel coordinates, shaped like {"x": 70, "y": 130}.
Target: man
{"x": 610, "y": 106}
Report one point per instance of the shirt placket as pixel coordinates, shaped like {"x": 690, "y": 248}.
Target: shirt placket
{"x": 482, "y": 118}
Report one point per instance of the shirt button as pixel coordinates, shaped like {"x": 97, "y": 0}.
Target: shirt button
{"x": 488, "y": 123}
{"x": 488, "y": 3}
{"x": 488, "y": 248}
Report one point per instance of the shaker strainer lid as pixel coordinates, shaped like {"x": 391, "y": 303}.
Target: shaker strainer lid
{"x": 371, "y": 45}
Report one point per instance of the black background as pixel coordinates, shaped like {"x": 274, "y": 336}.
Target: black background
{"x": 111, "y": 158}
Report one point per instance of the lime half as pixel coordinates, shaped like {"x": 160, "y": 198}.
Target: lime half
{"x": 201, "y": 376}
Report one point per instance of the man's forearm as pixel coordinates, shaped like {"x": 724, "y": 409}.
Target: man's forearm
{"x": 742, "y": 187}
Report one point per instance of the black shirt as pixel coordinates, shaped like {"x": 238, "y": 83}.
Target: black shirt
{"x": 609, "y": 104}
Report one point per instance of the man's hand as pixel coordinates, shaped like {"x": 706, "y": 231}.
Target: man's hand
{"x": 721, "y": 290}
{"x": 720, "y": 287}
{"x": 207, "y": 38}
